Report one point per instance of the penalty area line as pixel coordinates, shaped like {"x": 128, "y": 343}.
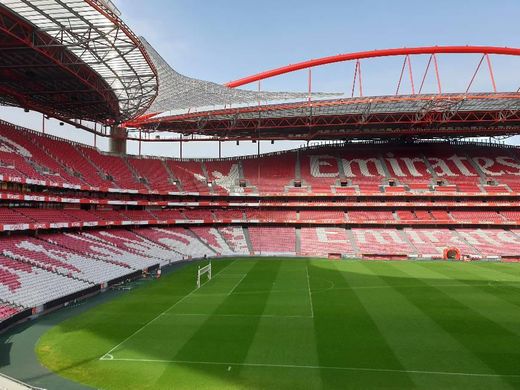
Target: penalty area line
{"x": 107, "y": 355}
{"x": 359, "y": 369}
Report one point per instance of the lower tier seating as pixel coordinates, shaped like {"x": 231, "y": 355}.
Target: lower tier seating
{"x": 38, "y": 269}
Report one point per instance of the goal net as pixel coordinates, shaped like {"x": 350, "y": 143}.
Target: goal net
{"x": 206, "y": 270}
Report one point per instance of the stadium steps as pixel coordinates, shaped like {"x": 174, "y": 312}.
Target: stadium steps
{"x": 341, "y": 170}
{"x": 191, "y": 233}
{"x": 248, "y": 239}
{"x": 240, "y": 171}
{"x": 67, "y": 169}
{"x": 353, "y": 242}
{"x": 70, "y": 249}
{"x": 96, "y": 168}
{"x": 136, "y": 174}
{"x": 297, "y": 167}
{"x": 405, "y": 238}
{"x": 298, "y": 245}
{"x": 461, "y": 238}
{"x": 429, "y": 166}
{"x": 171, "y": 176}
{"x": 149, "y": 240}
{"x": 224, "y": 239}
{"x": 476, "y": 167}
{"x": 382, "y": 160}
{"x": 205, "y": 172}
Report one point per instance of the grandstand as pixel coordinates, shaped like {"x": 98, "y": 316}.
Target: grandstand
{"x": 396, "y": 180}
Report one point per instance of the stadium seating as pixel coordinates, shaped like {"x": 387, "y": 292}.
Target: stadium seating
{"x": 273, "y": 240}
{"x": 224, "y": 176}
{"x": 370, "y": 200}
{"x": 432, "y": 242}
{"x": 379, "y": 242}
{"x": 180, "y": 243}
{"x": 114, "y": 168}
{"x": 212, "y": 238}
{"x": 270, "y": 174}
{"x": 235, "y": 238}
{"x": 154, "y": 172}
{"x": 323, "y": 241}
{"x": 360, "y": 168}
{"x": 322, "y": 216}
{"x": 24, "y": 285}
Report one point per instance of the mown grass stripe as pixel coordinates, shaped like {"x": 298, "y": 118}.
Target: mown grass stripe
{"x": 477, "y": 333}
{"x": 438, "y": 352}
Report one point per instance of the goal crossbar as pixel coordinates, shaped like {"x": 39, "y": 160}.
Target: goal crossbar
{"x": 202, "y": 271}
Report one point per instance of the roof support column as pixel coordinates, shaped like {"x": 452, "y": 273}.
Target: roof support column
{"x": 117, "y": 140}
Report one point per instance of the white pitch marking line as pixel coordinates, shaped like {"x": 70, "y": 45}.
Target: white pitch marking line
{"x": 236, "y": 285}
{"x": 160, "y": 315}
{"x": 309, "y": 288}
{"x": 367, "y": 369}
{"x": 234, "y": 315}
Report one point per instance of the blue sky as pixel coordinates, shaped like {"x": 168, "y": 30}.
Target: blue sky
{"x": 228, "y": 39}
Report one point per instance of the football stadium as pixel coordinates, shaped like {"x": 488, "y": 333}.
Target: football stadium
{"x": 360, "y": 239}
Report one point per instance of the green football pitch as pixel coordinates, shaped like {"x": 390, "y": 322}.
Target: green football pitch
{"x": 301, "y": 324}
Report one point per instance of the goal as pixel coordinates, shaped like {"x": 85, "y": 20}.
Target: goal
{"x": 203, "y": 271}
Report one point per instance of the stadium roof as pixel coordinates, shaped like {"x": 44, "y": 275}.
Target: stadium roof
{"x": 419, "y": 114}
{"x": 426, "y": 115}
{"x": 73, "y": 59}
{"x": 177, "y": 92}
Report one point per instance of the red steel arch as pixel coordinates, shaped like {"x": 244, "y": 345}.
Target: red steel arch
{"x": 432, "y": 50}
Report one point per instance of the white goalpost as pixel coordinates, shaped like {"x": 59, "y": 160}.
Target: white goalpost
{"x": 202, "y": 271}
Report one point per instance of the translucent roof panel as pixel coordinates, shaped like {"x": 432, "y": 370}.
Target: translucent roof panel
{"x": 93, "y": 32}
{"x": 177, "y": 92}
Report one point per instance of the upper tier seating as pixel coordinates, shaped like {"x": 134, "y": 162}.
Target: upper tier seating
{"x": 115, "y": 167}
{"x": 10, "y": 215}
{"x": 190, "y": 175}
{"x": 154, "y": 172}
{"x": 224, "y": 175}
{"x": 70, "y": 157}
{"x": 270, "y": 174}
{"x": 49, "y": 168}
{"x": 359, "y": 168}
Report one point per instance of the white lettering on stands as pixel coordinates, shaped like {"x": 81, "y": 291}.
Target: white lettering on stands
{"x": 484, "y": 163}
{"x": 410, "y": 164}
{"x": 323, "y": 161}
{"x": 396, "y": 168}
{"x": 509, "y": 162}
{"x": 453, "y": 166}
{"x": 329, "y": 236}
{"x": 459, "y": 163}
{"x": 440, "y": 167}
{"x": 363, "y": 165}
